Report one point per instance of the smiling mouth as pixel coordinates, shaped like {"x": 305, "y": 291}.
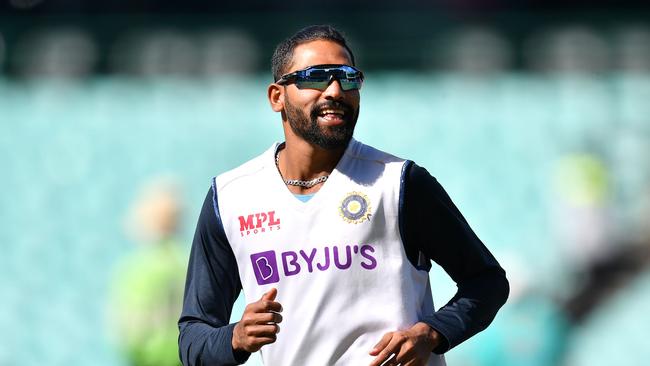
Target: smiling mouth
{"x": 332, "y": 114}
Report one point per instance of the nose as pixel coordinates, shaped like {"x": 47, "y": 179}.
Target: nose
{"x": 334, "y": 90}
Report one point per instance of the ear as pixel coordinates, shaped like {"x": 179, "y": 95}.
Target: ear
{"x": 276, "y": 97}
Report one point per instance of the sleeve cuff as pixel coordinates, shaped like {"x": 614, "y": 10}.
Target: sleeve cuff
{"x": 444, "y": 345}
{"x": 238, "y": 357}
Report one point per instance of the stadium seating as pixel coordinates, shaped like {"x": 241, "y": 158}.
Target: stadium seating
{"x": 74, "y": 154}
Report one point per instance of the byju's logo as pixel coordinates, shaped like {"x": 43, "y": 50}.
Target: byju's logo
{"x": 265, "y": 264}
{"x": 258, "y": 223}
{"x": 265, "y": 267}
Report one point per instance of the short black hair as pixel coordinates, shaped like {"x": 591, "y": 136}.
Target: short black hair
{"x": 283, "y": 54}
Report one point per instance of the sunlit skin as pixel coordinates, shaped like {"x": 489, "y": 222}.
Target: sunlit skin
{"x": 303, "y": 160}
{"x": 300, "y": 159}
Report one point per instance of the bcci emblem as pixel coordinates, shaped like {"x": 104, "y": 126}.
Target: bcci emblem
{"x": 355, "y": 208}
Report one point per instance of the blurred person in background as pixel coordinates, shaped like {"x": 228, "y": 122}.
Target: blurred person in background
{"x": 149, "y": 282}
{"x": 332, "y": 238}
{"x": 608, "y": 279}
{"x": 609, "y": 307}
{"x": 582, "y": 186}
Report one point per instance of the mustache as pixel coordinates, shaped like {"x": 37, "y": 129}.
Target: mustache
{"x": 347, "y": 109}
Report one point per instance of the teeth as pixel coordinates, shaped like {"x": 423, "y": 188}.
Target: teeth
{"x": 331, "y": 111}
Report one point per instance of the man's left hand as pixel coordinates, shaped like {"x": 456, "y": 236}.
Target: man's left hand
{"x": 410, "y": 347}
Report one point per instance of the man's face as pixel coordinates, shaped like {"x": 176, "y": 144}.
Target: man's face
{"x": 323, "y": 118}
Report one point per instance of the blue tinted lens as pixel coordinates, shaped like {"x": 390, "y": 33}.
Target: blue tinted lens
{"x": 307, "y": 84}
{"x": 350, "y": 84}
{"x": 319, "y": 77}
{"x": 318, "y": 74}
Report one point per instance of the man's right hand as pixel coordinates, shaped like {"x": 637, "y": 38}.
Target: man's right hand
{"x": 258, "y": 326}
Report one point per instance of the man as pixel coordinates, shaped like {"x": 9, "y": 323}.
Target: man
{"x": 331, "y": 238}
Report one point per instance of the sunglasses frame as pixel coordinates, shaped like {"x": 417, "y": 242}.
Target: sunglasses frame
{"x": 301, "y": 76}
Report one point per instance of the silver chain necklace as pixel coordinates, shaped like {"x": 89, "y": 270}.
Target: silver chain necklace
{"x": 297, "y": 182}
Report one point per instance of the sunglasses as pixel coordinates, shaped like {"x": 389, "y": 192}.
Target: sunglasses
{"x": 320, "y": 76}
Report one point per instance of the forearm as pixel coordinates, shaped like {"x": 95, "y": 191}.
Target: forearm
{"x": 211, "y": 288}
{"x": 203, "y": 344}
{"x": 471, "y": 310}
{"x": 482, "y": 285}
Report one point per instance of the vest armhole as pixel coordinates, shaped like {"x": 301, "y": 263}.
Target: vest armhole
{"x": 215, "y": 205}
{"x": 418, "y": 259}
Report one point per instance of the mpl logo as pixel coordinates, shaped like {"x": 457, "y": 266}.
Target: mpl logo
{"x": 258, "y": 223}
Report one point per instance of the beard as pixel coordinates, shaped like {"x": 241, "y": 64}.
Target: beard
{"x": 326, "y": 137}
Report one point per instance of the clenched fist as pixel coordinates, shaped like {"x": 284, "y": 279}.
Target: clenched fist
{"x": 259, "y": 324}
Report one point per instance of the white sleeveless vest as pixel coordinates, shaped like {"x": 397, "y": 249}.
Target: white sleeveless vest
{"x": 337, "y": 260}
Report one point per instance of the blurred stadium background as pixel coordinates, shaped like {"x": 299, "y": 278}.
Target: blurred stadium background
{"x": 534, "y": 115}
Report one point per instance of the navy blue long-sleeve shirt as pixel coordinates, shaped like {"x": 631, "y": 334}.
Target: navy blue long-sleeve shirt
{"x": 213, "y": 282}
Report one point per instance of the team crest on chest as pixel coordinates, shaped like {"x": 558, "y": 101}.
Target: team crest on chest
{"x": 355, "y": 208}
